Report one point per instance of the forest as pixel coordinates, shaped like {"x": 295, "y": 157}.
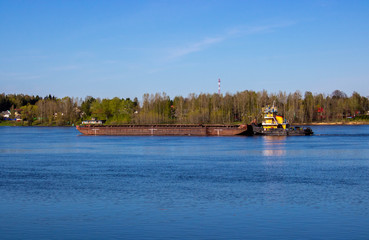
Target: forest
{"x": 241, "y": 107}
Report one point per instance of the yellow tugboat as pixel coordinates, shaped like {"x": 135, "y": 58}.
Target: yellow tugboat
{"x": 275, "y": 125}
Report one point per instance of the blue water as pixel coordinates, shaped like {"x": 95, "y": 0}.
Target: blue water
{"x": 58, "y": 184}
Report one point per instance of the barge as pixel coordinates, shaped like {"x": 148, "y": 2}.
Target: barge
{"x": 273, "y": 125}
{"x": 166, "y": 130}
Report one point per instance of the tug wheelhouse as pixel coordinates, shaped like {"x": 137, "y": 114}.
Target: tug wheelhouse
{"x": 272, "y": 120}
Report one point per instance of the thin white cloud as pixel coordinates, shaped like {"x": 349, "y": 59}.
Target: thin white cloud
{"x": 195, "y": 47}
{"x": 65, "y": 68}
{"x": 234, "y": 32}
{"x": 250, "y": 30}
{"x": 18, "y": 76}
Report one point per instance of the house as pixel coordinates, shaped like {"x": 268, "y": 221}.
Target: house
{"x": 18, "y": 114}
{"x": 5, "y": 114}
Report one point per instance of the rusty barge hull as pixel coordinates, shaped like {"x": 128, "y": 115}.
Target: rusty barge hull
{"x": 165, "y": 130}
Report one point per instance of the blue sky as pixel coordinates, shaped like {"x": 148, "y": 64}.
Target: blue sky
{"x": 128, "y": 48}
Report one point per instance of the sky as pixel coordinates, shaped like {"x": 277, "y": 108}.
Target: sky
{"x": 124, "y": 49}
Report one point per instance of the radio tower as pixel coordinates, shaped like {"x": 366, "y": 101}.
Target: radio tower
{"x": 219, "y": 86}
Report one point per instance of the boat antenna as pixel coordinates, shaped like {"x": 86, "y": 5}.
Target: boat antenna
{"x": 274, "y": 110}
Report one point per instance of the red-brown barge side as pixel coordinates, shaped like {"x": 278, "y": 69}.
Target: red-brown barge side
{"x": 166, "y": 130}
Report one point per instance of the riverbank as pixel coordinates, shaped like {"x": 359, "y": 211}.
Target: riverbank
{"x": 333, "y": 123}
{"x": 18, "y": 124}
{"x": 23, "y": 124}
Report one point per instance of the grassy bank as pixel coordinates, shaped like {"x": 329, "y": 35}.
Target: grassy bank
{"x": 25, "y": 124}
{"x": 334, "y": 123}
{"x": 10, "y": 123}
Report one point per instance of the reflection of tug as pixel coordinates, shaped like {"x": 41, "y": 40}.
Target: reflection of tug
{"x": 274, "y": 125}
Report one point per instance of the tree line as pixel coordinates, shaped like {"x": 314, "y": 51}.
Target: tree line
{"x": 159, "y": 108}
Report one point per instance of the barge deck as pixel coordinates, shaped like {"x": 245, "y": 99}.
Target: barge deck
{"x": 166, "y": 130}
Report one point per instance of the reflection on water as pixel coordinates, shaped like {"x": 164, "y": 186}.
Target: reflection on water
{"x": 274, "y": 146}
{"x": 55, "y": 184}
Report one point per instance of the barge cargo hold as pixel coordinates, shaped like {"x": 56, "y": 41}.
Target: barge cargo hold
{"x": 166, "y": 130}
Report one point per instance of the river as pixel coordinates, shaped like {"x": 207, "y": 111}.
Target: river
{"x": 58, "y": 184}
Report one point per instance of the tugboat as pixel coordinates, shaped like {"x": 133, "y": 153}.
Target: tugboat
{"x": 275, "y": 125}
